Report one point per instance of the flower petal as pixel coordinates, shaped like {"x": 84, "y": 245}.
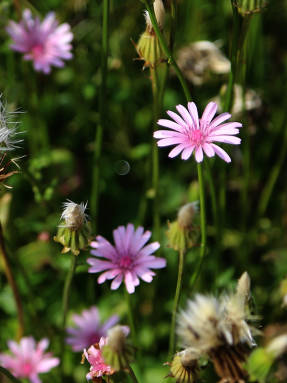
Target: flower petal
{"x": 221, "y": 153}
{"x": 198, "y": 154}
{"x": 209, "y": 112}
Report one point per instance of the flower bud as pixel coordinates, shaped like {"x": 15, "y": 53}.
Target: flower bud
{"x": 184, "y": 366}
{"x": 148, "y": 46}
{"x": 74, "y": 231}
{"x": 182, "y": 233}
{"x": 243, "y": 287}
{"x": 117, "y": 352}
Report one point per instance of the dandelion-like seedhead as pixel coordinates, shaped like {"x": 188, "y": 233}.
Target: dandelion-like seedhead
{"x": 191, "y": 134}
{"x": 74, "y": 232}
{"x": 219, "y": 329}
{"x": 8, "y": 129}
{"x": 184, "y": 366}
{"x": 74, "y": 214}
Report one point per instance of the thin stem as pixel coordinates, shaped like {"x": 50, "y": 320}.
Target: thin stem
{"x": 131, "y": 317}
{"x": 65, "y": 304}
{"x": 166, "y": 49}
{"x": 202, "y": 227}
{"x": 175, "y": 304}
{"x": 13, "y": 285}
{"x": 102, "y": 110}
{"x": 155, "y": 159}
{"x": 9, "y": 375}
{"x": 131, "y": 371}
{"x": 274, "y": 174}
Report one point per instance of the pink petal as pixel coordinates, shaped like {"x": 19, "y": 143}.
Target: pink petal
{"x": 176, "y": 151}
{"x": 198, "y": 154}
{"x": 221, "y": 153}
{"x": 209, "y": 112}
{"x": 177, "y": 118}
{"x": 226, "y": 139}
{"x": 187, "y": 153}
{"x": 222, "y": 131}
{"x": 219, "y": 119}
{"x": 151, "y": 261}
{"x": 194, "y": 113}
{"x": 170, "y": 124}
{"x": 108, "y": 275}
{"x": 149, "y": 249}
{"x": 185, "y": 115}
{"x": 166, "y": 133}
{"x": 129, "y": 283}
{"x": 170, "y": 141}
{"x": 208, "y": 150}
{"x": 45, "y": 365}
{"x": 117, "y": 282}
{"x": 98, "y": 265}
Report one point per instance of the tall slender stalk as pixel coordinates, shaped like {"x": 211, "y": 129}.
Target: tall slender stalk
{"x": 13, "y": 285}
{"x": 65, "y": 301}
{"x": 130, "y": 316}
{"x": 175, "y": 304}
{"x": 95, "y": 191}
{"x": 202, "y": 226}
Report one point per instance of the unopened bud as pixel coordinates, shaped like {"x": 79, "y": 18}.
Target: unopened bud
{"x": 184, "y": 366}
{"x": 117, "y": 352}
{"x": 182, "y": 234}
{"x": 159, "y": 12}
{"x": 243, "y": 286}
{"x": 74, "y": 231}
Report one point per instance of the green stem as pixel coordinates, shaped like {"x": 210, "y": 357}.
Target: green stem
{"x": 65, "y": 304}
{"x": 202, "y": 227}
{"x": 102, "y": 110}
{"x": 131, "y": 372}
{"x": 268, "y": 189}
{"x": 9, "y": 375}
{"x": 130, "y": 317}
{"x": 175, "y": 304}
{"x": 155, "y": 159}
{"x": 13, "y": 285}
{"x": 166, "y": 49}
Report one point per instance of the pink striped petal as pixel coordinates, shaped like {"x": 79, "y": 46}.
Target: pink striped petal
{"x": 209, "y": 112}
{"x": 117, "y": 282}
{"x": 221, "y": 153}
{"x": 198, "y": 154}
{"x": 185, "y": 115}
{"x": 177, "y": 118}
{"x": 226, "y": 139}
{"x": 175, "y": 151}
{"x": 166, "y": 133}
{"x": 194, "y": 113}
{"x": 187, "y": 153}
{"x": 169, "y": 141}
{"x": 219, "y": 119}
{"x": 208, "y": 150}
{"x": 170, "y": 124}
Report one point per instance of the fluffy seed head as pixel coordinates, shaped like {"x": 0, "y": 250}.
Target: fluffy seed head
{"x": 74, "y": 215}
{"x": 186, "y": 214}
{"x": 184, "y": 366}
{"x": 8, "y": 129}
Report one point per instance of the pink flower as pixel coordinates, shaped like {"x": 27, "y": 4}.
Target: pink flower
{"x": 89, "y": 330}
{"x": 128, "y": 259}
{"x": 46, "y": 43}
{"x": 191, "y": 134}
{"x": 94, "y": 357}
{"x": 29, "y": 359}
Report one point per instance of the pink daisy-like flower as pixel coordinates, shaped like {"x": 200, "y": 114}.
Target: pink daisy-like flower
{"x": 88, "y": 330}
{"x": 98, "y": 365}
{"x": 29, "y": 359}
{"x": 192, "y": 134}
{"x": 46, "y": 43}
{"x": 128, "y": 260}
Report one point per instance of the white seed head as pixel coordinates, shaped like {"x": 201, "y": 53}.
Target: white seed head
{"x": 159, "y": 14}
{"x": 277, "y": 346}
{"x": 8, "y": 129}
{"x": 198, "y": 326}
{"x": 74, "y": 215}
{"x": 186, "y": 214}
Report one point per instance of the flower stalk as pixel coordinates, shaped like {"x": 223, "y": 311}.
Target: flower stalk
{"x": 9, "y": 375}
{"x": 176, "y": 303}
{"x": 12, "y": 283}
{"x": 102, "y": 109}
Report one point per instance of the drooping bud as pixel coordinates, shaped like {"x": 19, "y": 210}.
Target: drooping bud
{"x": 182, "y": 233}
{"x": 184, "y": 366}
{"x": 74, "y": 231}
{"x": 148, "y": 46}
{"x": 117, "y": 352}
{"x": 243, "y": 286}
{"x": 248, "y": 7}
